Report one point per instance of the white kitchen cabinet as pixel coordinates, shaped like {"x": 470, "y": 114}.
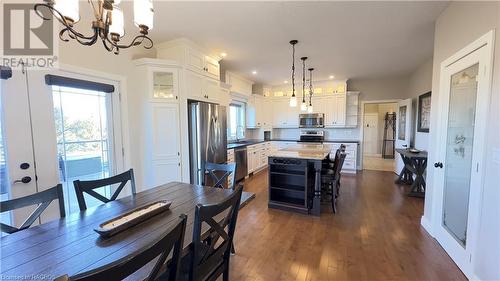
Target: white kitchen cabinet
{"x": 350, "y": 162}
{"x": 239, "y": 84}
{"x": 258, "y": 112}
{"x": 201, "y": 88}
{"x": 191, "y": 55}
{"x": 284, "y": 116}
{"x": 352, "y": 109}
{"x": 335, "y": 115}
{"x": 156, "y": 96}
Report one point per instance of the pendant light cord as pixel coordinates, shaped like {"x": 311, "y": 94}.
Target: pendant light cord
{"x": 304, "y": 79}
{"x": 293, "y": 69}
{"x": 310, "y": 85}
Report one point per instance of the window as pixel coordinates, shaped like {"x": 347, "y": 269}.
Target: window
{"x": 236, "y": 118}
{"x": 84, "y": 139}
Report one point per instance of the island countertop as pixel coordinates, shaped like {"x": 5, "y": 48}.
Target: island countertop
{"x": 304, "y": 151}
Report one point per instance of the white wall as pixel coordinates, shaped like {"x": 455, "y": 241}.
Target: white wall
{"x": 420, "y": 82}
{"x": 380, "y": 89}
{"x": 460, "y": 24}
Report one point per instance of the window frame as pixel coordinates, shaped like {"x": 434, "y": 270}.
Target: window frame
{"x": 240, "y": 121}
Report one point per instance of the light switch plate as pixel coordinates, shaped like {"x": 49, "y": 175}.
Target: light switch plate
{"x": 496, "y": 155}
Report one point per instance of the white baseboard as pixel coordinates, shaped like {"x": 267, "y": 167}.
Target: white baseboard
{"x": 475, "y": 277}
{"x": 426, "y": 223}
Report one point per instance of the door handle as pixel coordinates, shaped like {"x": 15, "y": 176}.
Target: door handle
{"x": 25, "y": 179}
{"x": 438, "y": 165}
{"x": 404, "y": 145}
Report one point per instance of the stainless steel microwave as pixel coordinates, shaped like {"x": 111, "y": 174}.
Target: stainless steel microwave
{"x": 313, "y": 120}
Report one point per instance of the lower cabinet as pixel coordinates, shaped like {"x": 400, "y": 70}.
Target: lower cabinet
{"x": 162, "y": 145}
{"x": 350, "y": 162}
{"x": 257, "y": 156}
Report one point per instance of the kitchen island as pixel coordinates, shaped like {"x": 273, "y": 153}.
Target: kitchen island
{"x": 295, "y": 177}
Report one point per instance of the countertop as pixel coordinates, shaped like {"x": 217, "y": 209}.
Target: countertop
{"x": 304, "y": 151}
{"x": 257, "y": 141}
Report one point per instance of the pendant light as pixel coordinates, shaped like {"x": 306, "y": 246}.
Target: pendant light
{"x": 303, "y": 105}
{"x": 310, "y": 108}
{"x": 293, "y": 98}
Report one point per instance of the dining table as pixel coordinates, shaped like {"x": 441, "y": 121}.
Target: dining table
{"x": 69, "y": 245}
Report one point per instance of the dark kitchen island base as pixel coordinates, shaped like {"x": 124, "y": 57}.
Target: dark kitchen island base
{"x": 291, "y": 184}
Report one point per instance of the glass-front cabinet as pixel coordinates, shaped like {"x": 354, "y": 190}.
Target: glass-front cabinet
{"x": 164, "y": 84}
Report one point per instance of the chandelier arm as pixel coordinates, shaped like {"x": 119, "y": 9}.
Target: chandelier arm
{"x": 138, "y": 40}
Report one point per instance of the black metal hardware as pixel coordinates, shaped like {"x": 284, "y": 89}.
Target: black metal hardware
{"x": 438, "y": 165}
{"x": 24, "y": 166}
{"x": 26, "y": 179}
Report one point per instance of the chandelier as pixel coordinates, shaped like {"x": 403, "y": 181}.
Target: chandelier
{"x": 293, "y": 99}
{"x": 108, "y": 23}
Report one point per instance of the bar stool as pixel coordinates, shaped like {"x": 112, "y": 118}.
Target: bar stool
{"x": 330, "y": 178}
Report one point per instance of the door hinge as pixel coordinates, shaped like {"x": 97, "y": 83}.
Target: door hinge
{"x": 123, "y": 151}
{"x": 470, "y": 257}
{"x": 477, "y": 167}
{"x": 120, "y": 97}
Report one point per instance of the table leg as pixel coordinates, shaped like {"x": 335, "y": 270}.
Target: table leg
{"x": 418, "y": 186}
{"x": 316, "y": 207}
{"x": 405, "y": 176}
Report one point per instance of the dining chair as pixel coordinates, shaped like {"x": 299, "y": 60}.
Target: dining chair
{"x": 209, "y": 253}
{"x": 42, "y": 199}
{"x": 170, "y": 242}
{"x": 331, "y": 178}
{"x": 213, "y": 172}
{"x": 89, "y": 186}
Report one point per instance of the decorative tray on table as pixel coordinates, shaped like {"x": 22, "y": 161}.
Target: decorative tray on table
{"x": 131, "y": 218}
{"x": 414, "y": 150}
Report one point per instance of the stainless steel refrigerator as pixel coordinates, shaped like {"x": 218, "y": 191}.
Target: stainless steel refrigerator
{"x": 207, "y": 137}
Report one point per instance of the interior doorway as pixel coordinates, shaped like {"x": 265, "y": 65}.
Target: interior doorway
{"x": 379, "y": 129}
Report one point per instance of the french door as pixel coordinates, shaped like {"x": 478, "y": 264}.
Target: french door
{"x": 403, "y": 130}
{"x": 53, "y": 134}
{"x": 458, "y": 177}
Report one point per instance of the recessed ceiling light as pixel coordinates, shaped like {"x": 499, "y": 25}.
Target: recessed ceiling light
{"x": 331, "y": 76}
{"x": 223, "y": 55}
{"x": 254, "y": 72}
{"x": 286, "y": 81}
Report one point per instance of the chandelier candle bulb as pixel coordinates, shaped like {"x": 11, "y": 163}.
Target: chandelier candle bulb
{"x": 117, "y": 23}
{"x": 70, "y": 9}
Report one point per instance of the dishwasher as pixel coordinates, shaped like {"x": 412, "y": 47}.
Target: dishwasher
{"x": 240, "y": 157}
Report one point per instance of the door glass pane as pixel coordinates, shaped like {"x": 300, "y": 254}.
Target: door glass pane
{"x": 402, "y": 123}
{"x": 459, "y": 149}
{"x": 163, "y": 85}
{"x": 83, "y": 140}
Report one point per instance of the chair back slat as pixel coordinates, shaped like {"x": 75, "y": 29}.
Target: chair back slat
{"x": 88, "y": 187}
{"x": 170, "y": 243}
{"x": 42, "y": 199}
{"x": 228, "y": 172}
{"x": 211, "y": 252}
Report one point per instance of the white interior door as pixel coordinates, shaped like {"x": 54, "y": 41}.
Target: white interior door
{"x": 18, "y": 170}
{"x": 370, "y": 134}
{"x": 403, "y": 130}
{"x": 458, "y": 167}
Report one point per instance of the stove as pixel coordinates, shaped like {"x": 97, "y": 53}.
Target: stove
{"x": 316, "y": 136}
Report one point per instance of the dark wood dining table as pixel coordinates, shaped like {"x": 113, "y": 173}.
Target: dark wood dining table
{"x": 70, "y": 245}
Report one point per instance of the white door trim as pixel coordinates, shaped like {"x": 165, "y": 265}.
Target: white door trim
{"x": 482, "y": 109}
{"x": 361, "y": 137}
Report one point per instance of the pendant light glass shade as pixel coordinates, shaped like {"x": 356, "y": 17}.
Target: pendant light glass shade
{"x": 143, "y": 13}
{"x": 303, "y": 106}
{"x": 293, "y": 101}
{"x": 117, "y": 24}
{"x": 70, "y": 9}
{"x": 310, "y": 109}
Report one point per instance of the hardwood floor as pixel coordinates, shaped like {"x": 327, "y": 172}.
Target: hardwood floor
{"x": 375, "y": 235}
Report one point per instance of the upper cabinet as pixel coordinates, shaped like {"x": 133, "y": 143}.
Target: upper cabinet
{"x": 321, "y": 88}
{"x": 239, "y": 84}
{"x": 259, "y": 112}
{"x": 192, "y": 56}
{"x": 352, "y": 109}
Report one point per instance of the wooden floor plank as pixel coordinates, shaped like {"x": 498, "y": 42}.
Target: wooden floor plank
{"x": 375, "y": 235}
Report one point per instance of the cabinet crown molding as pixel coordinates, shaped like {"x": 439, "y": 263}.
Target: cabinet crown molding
{"x": 156, "y": 62}
{"x": 186, "y": 43}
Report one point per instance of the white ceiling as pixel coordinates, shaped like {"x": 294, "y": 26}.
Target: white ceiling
{"x": 347, "y": 39}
